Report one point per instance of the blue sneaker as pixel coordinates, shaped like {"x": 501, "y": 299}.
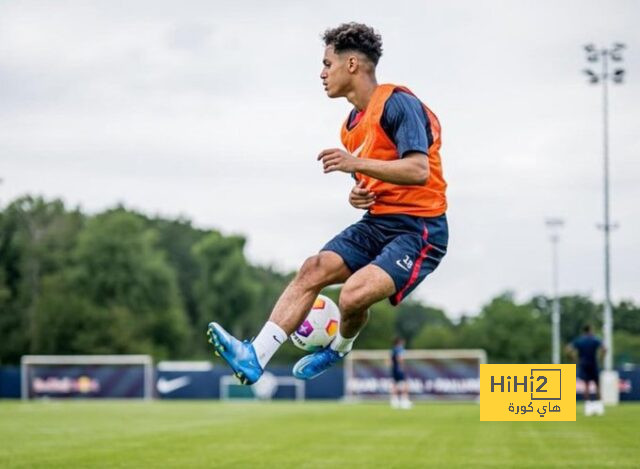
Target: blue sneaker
{"x": 241, "y": 356}
{"x": 316, "y": 363}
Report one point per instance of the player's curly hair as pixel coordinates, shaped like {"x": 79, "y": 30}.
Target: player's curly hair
{"x": 355, "y": 37}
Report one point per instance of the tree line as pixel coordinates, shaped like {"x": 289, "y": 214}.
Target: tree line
{"x": 123, "y": 282}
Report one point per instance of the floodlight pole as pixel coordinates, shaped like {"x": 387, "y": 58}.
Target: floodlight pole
{"x": 554, "y": 225}
{"x": 593, "y": 55}
{"x": 608, "y": 316}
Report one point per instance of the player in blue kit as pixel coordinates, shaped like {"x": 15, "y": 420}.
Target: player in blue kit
{"x": 399, "y": 385}
{"x": 586, "y": 350}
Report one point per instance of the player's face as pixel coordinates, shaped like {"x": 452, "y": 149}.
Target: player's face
{"x": 335, "y": 75}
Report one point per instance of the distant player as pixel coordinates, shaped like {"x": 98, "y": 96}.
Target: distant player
{"x": 399, "y": 386}
{"x": 392, "y": 143}
{"x": 586, "y": 350}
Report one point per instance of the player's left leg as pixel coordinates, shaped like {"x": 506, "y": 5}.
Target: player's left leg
{"x": 248, "y": 359}
{"x": 364, "y": 288}
{"x": 414, "y": 249}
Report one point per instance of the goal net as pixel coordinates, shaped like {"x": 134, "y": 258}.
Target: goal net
{"x": 430, "y": 374}
{"x": 268, "y": 387}
{"x": 87, "y": 376}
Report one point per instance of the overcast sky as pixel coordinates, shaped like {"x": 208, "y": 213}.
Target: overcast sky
{"x": 215, "y": 111}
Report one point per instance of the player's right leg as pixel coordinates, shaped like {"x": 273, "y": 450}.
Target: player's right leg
{"x": 248, "y": 359}
{"x": 364, "y": 288}
{"x": 598, "y": 405}
{"x": 405, "y": 402}
{"x": 317, "y": 272}
{"x": 395, "y": 398}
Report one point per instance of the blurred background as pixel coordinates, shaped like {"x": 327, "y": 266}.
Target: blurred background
{"x": 159, "y": 171}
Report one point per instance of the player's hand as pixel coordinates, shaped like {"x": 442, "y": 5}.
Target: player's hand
{"x": 334, "y": 159}
{"x": 361, "y": 197}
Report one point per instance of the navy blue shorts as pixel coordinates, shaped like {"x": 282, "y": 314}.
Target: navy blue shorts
{"x": 408, "y": 248}
{"x": 588, "y": 372}
{"x": 397, "y": 375}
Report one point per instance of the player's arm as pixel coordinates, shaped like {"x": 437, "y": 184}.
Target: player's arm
{"x": 412, "y": 169}
{"x": 405, "y": 122}
{"x": 571, "y": 352}
{"x": 602, "y": 350}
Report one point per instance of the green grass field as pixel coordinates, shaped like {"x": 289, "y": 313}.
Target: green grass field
{"x": 324, "y": 434}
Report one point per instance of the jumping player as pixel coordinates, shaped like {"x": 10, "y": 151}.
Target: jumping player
{"x": 392, "y": 143}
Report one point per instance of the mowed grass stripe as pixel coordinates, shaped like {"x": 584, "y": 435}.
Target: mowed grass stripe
{"x": 311, "y": 434}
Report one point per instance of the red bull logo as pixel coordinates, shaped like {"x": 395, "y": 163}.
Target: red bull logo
{"x": 53, "y": 385}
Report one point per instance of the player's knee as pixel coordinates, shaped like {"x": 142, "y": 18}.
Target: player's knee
{"x": 314, "y": 273}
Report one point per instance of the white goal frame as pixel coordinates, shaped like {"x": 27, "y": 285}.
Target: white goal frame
{"x": 145, "y": 360}
{"x": 479, "y": 354}
{"x": 231, "y": 380}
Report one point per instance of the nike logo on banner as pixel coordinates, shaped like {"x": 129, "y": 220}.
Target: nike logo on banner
{"x": 166, "y": 386}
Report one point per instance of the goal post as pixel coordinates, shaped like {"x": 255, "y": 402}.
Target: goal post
{"x": 430, "y": 374}
{"x": 268, "y": 387}
{"x": 87, "y": 376}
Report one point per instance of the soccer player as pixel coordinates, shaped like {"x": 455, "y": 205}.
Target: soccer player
{"x": 399, "y": 386}
{"x": 585, "y": 350}
{"x": 392, "y": 143}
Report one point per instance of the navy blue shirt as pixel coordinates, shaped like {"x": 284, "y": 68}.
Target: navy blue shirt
{"x": 396, "y": 353}
{"x": 405, "y": 122}
{"x": 587, "y": 346}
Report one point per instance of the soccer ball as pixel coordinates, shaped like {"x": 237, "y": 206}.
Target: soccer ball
{"x": 319, "y": 327}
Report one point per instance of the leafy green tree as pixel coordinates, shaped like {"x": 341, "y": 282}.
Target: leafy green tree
{"x": 626, "y": 348}
{"x": 121, "y": 282}
{"x": 412, "y": 317}
{"x": 177, "y": 238}
{"x": 120, "y": 270}
{"x": 510, "y": 333}
{"x": 626, "y": 317}
{"x": 224, "y": 290}
{"x": 36, "y": 238}
{"x": 380, "y": 331}
{"x": 437, "y": 337}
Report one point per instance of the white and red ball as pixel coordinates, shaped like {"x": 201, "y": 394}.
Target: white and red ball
{"x": 319, "y": 327}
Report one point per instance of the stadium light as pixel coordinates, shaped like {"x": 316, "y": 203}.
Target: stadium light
{"x": 554, "y": 224}
{"x": 618, "y": 75}
{"x": 593, "y": 78}
{"x": 614, "y": 53}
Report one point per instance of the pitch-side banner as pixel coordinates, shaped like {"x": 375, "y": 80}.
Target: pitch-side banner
{"x": 62, "y": 381}
{"x": 428, "y": 375}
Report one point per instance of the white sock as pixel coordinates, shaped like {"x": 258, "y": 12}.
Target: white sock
{"x": 269, "y": 340}
{"x": 343, "y": 344}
